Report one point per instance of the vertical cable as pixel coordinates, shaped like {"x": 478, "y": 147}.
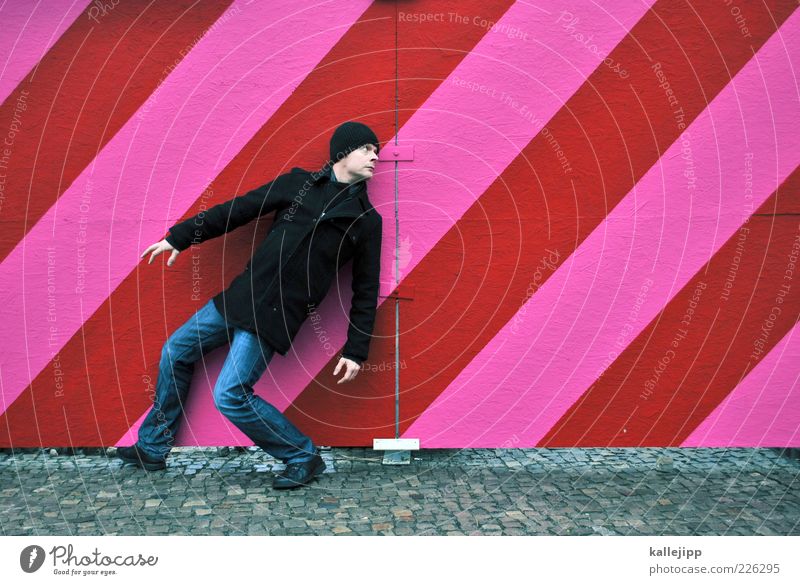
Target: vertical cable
{"x": 396, "y": 240}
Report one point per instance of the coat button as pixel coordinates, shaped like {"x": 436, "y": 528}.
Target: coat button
{"x": 274, "y": 308}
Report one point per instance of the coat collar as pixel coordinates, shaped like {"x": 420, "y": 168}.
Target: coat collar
{"x": 324, "y": 174}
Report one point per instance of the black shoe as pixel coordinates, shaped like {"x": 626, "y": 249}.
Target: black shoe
{"x": 139, "y": 458}
{"x": 297, "y": 474}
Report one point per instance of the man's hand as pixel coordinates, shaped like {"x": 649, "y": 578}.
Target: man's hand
{"x": 157, "y": 248}
{"x": 352, "y": 369}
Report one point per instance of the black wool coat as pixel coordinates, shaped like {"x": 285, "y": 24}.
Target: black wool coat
{"x": 320, "y": 224}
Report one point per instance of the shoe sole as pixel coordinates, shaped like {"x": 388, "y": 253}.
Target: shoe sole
{"x": 143, "y": 464}
{"x": 316, "y": 473}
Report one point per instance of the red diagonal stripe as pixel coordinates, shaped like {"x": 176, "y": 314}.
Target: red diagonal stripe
{"x": 468, "y": 287}
{"x": 82, "y": 92}
{"x": 655, "y": 394}
{"x": 361, "y": 70}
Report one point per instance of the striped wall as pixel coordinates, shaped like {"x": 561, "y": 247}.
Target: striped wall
{"x": 598, "y": 235}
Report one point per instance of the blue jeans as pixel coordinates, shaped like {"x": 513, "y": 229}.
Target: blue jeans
{"x": 265, "y": 425}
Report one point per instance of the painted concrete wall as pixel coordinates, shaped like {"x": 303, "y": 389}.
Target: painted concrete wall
{"x": 598, "y": 232}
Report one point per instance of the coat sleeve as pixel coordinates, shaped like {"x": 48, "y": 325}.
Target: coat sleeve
{"x": 366, "y": 283}
{"x": 228, "y": 216}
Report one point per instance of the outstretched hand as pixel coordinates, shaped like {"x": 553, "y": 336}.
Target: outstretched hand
{"x": 352, "y": 369}
{"x": 157, "y": 248}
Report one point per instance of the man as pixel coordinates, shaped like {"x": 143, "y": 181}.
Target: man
{"x": 322, "y": 220}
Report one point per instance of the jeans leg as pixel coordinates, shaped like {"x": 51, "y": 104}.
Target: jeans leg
{"x": 204, "y": 331}
{"x": 264, "y": 424}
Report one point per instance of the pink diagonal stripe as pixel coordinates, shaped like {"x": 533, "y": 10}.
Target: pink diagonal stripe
{"x": 652, "y": 243}
{"x": 153, "y": 171}
{"x": 764, "y": 409}
{"x": 27, "y": 33}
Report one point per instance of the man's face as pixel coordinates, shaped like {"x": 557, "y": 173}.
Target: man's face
{"x": 360, "y": 163}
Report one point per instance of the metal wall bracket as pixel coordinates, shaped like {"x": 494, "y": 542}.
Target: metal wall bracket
{"x": 397, "y": 458}
{"x": 402, "y": 293}
{"x": 396, "y": 153}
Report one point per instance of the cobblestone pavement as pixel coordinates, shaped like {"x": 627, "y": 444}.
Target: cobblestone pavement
{"x": 443, "y": 491}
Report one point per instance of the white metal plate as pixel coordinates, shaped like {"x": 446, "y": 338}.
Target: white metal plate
{"x": 395, "y": 444}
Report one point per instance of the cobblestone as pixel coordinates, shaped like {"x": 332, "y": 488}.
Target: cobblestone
{"x": 443, "y": 491}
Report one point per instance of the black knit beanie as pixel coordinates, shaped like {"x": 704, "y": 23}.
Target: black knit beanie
{"x": 349, "y": 136}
